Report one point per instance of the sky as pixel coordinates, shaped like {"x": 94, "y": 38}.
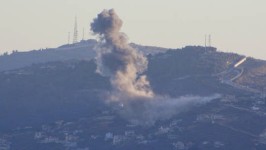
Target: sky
{"x": 235, "y": 25}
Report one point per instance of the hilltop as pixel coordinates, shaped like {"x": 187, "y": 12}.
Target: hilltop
{"x": 58, "y": 94}
{"x": 168, "y": 64}
{"x": 84, "y": 50}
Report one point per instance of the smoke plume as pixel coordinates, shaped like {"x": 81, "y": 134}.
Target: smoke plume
{"x": 124, "y": 65}
{"x": 161, "y": 108}
{"x": 117, "y": 59}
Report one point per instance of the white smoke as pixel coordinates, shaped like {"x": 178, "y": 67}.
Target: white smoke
{"x": 123, "y": 64}
{"x": 160, "y": 108}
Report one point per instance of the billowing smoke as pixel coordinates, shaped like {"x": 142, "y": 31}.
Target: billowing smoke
{"x": 125, "y": 66}
{"x": 117, "y": 59}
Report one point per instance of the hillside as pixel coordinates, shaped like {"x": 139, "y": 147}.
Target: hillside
{"x": 254, "y": 74}
{"x": 193, "y": 67}
{"x": 187, "y": 71}
{"x": 55, "y": 104}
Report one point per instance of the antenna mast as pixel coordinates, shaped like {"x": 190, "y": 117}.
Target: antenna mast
{"x": 75, "y": 36}
{"x": 68, "y": 40}
{"x": 210, "y": 41}
{"x": 83, "y": 35}
{"x": 205, "y": 44}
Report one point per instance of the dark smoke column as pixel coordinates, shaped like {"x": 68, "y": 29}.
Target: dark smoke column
{"x": 117, "y": 59}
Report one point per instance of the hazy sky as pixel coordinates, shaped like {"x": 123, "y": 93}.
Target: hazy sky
{"x": 235, "y": 25}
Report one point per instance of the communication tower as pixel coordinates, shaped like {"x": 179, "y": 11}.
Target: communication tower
{"x": 75, "y": 35}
